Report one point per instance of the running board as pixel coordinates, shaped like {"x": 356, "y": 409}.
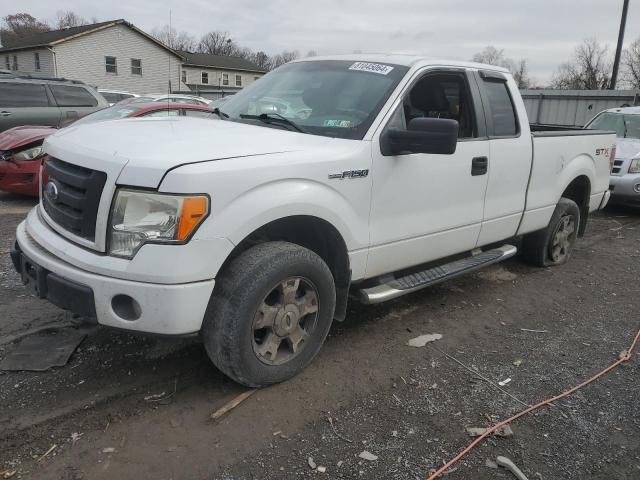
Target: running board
{"x": 416, "y": 281}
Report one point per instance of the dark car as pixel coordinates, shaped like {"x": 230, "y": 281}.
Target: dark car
{"x": 26, "y": 100}
{"x": 21, "y": 147}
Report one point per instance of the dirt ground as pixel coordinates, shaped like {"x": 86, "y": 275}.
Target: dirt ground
{"x": 131, "y": 407}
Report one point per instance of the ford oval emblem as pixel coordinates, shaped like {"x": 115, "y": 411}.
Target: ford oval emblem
{"x": 51, "y": 189}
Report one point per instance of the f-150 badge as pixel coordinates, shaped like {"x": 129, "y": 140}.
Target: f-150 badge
{"x": 349, "y": 174}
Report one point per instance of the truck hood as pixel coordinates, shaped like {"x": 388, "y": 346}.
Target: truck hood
{"x": 139, "y": 151}
{"x": 17, "y": 137}
{"x": 627, "y": 148}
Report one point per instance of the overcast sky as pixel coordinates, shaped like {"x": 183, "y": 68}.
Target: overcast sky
{"x": 543, "y": 31}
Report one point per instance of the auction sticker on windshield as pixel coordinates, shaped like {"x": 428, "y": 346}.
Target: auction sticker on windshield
{"x": 371, "y": 67}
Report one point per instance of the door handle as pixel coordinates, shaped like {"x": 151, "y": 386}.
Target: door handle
{"x": 5, "y": 114}
{"x": 479, "y": 166}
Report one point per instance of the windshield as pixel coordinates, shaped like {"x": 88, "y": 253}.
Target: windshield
{"x": 111, "y": 113}
{"x": 625, "y": 126}
{"x": 327, "y": 97}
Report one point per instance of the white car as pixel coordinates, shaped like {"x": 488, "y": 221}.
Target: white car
{"x": 177, "y": 98}
{"x": 625, "y": 174}
{"x": 115, "y": 96}
{"x": 252, "y": 230}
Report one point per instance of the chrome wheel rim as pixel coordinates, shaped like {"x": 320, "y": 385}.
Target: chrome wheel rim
{"x": 285, "y": 320}
{"x": 563, "y": 239}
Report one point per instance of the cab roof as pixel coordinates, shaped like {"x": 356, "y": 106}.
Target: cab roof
{"x": 625, "y": 110}
{"x": 403, "y": 59}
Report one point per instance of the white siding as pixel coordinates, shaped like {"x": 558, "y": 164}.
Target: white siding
{"x": 26, "y": 61}
{"x": 194, "y": 76}
{"x": 83, "y": 58}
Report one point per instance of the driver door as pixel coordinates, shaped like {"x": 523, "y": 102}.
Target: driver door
{"x": 429, "y": 206}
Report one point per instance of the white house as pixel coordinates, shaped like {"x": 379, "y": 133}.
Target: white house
{"x": 117, "y": 55}
{"x": 217, "y": 75}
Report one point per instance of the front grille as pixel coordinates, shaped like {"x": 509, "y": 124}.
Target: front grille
{"x": 73, "y": 198}
{"x": 617, "y": 164}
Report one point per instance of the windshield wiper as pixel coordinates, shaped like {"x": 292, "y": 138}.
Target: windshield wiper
{"x": 274, "y": 118}
{"x": 220, "y": 113}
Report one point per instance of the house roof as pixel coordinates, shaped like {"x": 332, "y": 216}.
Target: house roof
{"x": 219, "y": 61}
{"x": 53, "y": 37}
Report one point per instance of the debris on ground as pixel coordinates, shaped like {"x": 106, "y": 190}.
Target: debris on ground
{"x": 422, "y": 340}
{"x": 311, "y": 463}
{"x": 44, "y": 350}
{"x": 75, "y": 436}
{"x": 505, "y": 431}
{"x": 365, "y": 455}
{"x": 45, "y": 454}
{"x": 322, "y": 469}
{"x": 108, "y": 450}
{"x": 333, "y": 427}
{"x": 490, "y": 464}
{"x": 7, "y": 473}
{"x": 227, "y": 407}
{"x": 509, "y": 465}
{"x": 517, "y": 362}
{"x": 504, "y": 382}
{"x": 534, "y": 331}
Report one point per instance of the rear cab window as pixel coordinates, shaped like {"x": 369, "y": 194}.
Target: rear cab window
{"x": 502, "y": 119}
{"x": 16, "y": 95}
{"x": 70, "y": 96}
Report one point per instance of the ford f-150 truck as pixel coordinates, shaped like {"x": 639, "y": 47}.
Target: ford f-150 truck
{"x": 330, "y": 178}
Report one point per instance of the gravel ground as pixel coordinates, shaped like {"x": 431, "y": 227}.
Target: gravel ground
{"x": 407, "y": 406}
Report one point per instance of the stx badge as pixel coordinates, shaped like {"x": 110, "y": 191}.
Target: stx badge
{"x": 349, "y": 174}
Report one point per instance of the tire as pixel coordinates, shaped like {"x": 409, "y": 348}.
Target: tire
{"x": 241, "y": 329}
{"x": 553, "y": 245}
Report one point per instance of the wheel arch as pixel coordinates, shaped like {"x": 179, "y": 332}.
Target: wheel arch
{"x": 314, "y": 233}
{"x": 579, "y": 190}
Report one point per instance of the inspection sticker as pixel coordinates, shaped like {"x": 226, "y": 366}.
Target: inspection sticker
{"x": 371, "y": 67}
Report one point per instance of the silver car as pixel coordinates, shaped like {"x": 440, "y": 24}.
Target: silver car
{"x": 27, "y": 100}
{"x": 625, "y": 174}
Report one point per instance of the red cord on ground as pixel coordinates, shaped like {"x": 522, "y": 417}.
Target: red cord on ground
{"x": 624, "y": 357}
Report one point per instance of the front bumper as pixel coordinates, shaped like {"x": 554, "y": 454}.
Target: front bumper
{"x": 625, "y": 189}
{"x": 167, "y": 309}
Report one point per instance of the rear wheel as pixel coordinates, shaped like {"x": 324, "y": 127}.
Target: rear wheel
{"x": 554, "y": 244}
{"x": 269, "y": 314}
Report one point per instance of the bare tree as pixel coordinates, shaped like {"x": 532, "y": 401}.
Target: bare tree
{"x": 282, "y": 58}
{"x": 631, "y": 64}
{"x": 218, "y": 43}
{"x": 19, "y": 25}
{"x": 494, "y": 56}
{"x": 69, "y": 19}
{"x": 311, "y": 53}
{"x": 174, "y": 39}
{"x": 588, "y": 69}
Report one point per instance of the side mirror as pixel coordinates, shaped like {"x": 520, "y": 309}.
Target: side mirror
{"x": 424, "y": 135}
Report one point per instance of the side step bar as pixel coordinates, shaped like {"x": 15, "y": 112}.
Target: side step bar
{"x": 416, "y": 281}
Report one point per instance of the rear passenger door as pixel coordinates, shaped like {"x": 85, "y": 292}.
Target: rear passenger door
{"x": 26, "y": 104}
{"x": 510, "y": 156}
{"x": 74, "y": 102}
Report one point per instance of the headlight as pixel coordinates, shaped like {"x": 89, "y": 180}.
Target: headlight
{"x": 147, "y": 217}
{"x": 29, "y": 153}
{"x": 634, "y": 167}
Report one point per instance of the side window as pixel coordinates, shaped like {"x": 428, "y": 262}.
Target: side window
{"x": 23, "y": 95}
{"x": 15, "y": 62}
{"x": 183, "y": 75}
{"x": 110, "y": 65}
{"x": 36, "y": 61}
{"x": 136, "y": 66}
{"x": 503, "y": 114}
{"x": 205, "y": 77}
{"x": 439, "y": 95}
{"x": 238, "y": 80}
{"x": 68, "y": 96}
{"x": 225, "y": 79}
{"x": 7, "y": 62}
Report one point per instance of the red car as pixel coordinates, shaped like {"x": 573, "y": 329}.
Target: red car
{"x": 21, "y": 147}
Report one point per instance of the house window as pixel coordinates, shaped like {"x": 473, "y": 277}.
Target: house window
{"x": 7, "y": 62}
{"x": 238, "y": 80}
{"x": 110, "y": 65}
{"x": 36, "y": 60}
{"x": 184, "y": 76}
{"x": 15, "y": 62}
{"x": 205, "y": 77}
{"x": 136, "y": 66}
{"x": 225, "y": 79}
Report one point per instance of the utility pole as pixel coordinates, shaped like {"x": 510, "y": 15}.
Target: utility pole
{"x": 616, "y": 62}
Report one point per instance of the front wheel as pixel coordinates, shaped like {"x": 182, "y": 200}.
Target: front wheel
{"x": 269, "y": 314}
{"x": 554, "y": 244}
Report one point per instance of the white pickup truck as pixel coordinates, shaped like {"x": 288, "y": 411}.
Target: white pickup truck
{"x": 373, "y": 176}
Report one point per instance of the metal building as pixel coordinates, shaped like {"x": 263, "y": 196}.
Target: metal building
{"x": 574, "y": 107}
